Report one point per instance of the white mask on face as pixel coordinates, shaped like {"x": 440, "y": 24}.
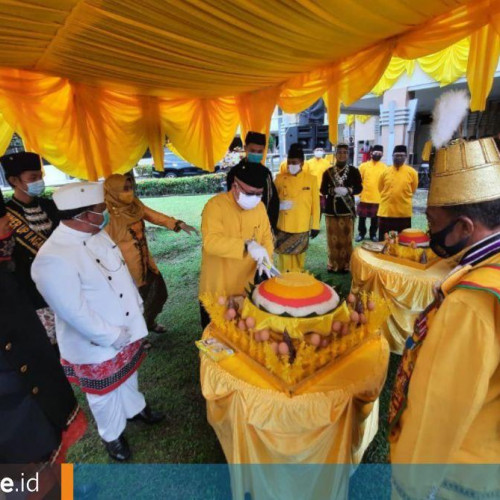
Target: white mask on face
{"x": 293, "y": 168}
{"x": 319, "y": 154}
{"x": 248, "y": 201}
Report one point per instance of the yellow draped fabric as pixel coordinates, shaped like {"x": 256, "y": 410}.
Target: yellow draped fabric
{"x": 407, "y": 290}
{"x": 360, "y": 118}
{"x": 6, "y": 132}
{"x": 331, "y": 421}
{"x": 89, "y": 84}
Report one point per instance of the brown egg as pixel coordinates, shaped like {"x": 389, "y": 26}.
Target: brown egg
{"x": 283, "y": 348}
{"x": 242, "y": 325}
{"x": 345, "y": 329}
{"x": 221, "y": 300}
{"x": 362, "y": 319}
{"x": 315, "y": 339}
{"x": 257, "y": 337}
{"x": 351, "y": 298}
{"x": 230, "y": 314}
{"x": 371, "y": 305}
{"x": 274, "y": 347}
{"x": 325, "y": 342}
{"x": 336, "y": 326}
{"x": 354, "y": 317}
{"x": 250, "y": 322}
{"x": 264, "y": 335}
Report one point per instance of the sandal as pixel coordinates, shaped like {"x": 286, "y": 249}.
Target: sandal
{"x": 158, "y": 328}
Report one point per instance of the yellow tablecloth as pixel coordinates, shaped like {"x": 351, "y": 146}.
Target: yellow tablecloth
{"x": 331, "y": 421}
{"x": 407, "y": 290}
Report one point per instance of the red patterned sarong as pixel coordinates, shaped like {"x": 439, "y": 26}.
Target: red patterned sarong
{"x": 101, "y": 378}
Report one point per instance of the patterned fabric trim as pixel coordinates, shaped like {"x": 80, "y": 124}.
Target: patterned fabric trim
{"x": 105, "y": 377}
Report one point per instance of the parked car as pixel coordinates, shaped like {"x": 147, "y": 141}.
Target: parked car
{"x": 177, "y": 167}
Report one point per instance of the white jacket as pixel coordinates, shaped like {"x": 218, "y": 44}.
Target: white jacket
{"x": 86, "y": 282}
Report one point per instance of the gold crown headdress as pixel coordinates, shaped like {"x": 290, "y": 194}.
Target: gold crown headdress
{"x": 463, "y": 172}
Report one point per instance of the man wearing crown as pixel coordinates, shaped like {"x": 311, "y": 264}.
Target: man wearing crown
{"x": 445, "y": 407}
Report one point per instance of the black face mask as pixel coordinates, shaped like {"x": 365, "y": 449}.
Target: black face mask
{"x": 438, "y": 245}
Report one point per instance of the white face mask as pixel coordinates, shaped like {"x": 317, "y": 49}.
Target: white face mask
{"x": 248, "y": 201}
{"x": 293, "y": 168}
{"x": 319, "y": 154}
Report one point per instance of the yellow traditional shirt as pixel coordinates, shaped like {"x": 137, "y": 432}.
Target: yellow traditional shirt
{"x": 225, "y": 266}
{"x": 317, "y": 167}
{"x": 453, "y": 410}
{"x": 370, "y": 175}
{"x": 302, "y": 191}
{"x": 396, "y": 187}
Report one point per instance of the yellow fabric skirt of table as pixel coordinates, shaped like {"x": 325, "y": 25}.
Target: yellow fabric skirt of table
{"x": 407, "y": 290}
{"x": 331, "y": 420}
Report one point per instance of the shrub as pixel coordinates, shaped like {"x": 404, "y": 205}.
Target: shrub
{"x": 200, "y": 184}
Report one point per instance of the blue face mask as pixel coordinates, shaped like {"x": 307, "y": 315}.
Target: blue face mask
{"x": 105, "y": 219}
{"x": 255, "y": 157}
{"x": 36, "y": 188}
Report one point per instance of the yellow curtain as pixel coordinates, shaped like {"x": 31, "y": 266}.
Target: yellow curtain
{"x": 448, "y": 65}
{"x": 6, "y": 133}
{"x": 360, "y": 118}
{"x": 125, "y": 81}
{"x": 397, "y": 67}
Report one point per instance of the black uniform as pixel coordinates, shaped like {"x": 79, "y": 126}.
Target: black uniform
{"x": 36, "y": 399}
{"x": 336, "y": 205}
{"x": 33, "y": 223}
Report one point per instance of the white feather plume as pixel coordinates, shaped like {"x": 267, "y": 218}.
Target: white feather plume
{"x": 448, "y": 114}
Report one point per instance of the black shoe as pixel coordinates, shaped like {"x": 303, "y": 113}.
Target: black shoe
{"x": 374, "y": 239}
{"x": 359, "y": 238}
{"x": 148, "y": 416}
{"x": 118, "y": 449}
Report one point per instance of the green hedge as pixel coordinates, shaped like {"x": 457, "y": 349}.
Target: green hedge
{"x": 199, "y": 184}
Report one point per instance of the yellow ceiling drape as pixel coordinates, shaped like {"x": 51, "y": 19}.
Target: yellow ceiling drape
{"x": 6, "y": 133}
{"x": 89, "y": 84}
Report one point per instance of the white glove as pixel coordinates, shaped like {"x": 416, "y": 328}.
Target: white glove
{"x": 122, "y": 340}
{"x": 342, "y": 191}
{"x": 286, "y": 205}
{"x": 257, "y": 252}
{"x": 262, "y": 269}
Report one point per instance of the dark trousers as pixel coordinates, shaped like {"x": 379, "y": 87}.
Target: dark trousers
{"x": 386, "y": 224}
{"x": 373, "y": 226}
{"x": 205, "y": 317}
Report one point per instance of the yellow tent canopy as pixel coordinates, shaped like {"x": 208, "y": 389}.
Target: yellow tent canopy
{"x": 89, "y": 84}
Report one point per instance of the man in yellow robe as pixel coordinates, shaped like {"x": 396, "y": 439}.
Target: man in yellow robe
{"x": 397, "y": 186}
{"x": 445, "y": 407}
{"x": 299, "y": 212}
{"x": 236, "y": 235}
{"x": 317, "y": 165}
{"x": 370, "y": 171}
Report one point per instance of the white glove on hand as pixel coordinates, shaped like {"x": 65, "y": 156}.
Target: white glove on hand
{"x": 262, "y": 269}
{"x": 342, "y": 191}
{"x": 122, "y": 340}
{"x": 257, "y": 252}
{"x": 286, "y": 205}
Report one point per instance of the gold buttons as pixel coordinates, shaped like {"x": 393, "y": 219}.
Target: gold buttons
{"x": 24, "y": 368}
{"x": 35, "y": 390}
{"x": 8, "y": 346}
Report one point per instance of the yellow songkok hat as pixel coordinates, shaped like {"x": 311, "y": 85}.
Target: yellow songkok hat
{"x": 463, "y": 172}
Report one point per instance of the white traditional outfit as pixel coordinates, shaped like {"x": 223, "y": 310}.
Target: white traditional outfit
{"x": 85, "y": 280}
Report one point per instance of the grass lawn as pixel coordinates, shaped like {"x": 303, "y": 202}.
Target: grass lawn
{"x": 169, "y": 377}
